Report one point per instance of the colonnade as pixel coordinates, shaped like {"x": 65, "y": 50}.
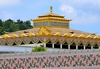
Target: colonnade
{"x": 69, "y": 46}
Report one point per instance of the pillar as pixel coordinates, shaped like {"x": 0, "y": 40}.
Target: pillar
{"x": 60, "y": 46}
{"x": 91, "y": 47}
{"x": 99, "y": 47}
{"x": 69, "y": 47}
{"x": 84, "y": 47}
{"x": 44, "y": 45}
{"x": 76, "y": 47}
{"x": 52, "y": 45}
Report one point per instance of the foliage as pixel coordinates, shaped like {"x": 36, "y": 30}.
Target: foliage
{"x": 12, "y": 26}
{"x": 39, "y": 49}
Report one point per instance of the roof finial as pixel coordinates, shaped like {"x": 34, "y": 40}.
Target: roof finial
{"x": 50, "y": 9}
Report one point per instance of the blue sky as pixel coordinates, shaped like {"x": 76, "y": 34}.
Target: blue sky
{"x": 85, "y": 13}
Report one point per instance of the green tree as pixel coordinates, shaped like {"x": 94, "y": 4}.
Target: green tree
{"x": 7, "y": 24}
{"x": 13, "y": 28}
{"x": 1, "y": 24}
{"x": 27, "y": 24}
{"x": 1, "y": 31}
{"x": 19, "y": 21}
{"x": 39, "y": 49}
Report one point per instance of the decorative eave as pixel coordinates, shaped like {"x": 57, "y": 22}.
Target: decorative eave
{"x": 81, "y": 36}
{"x": 96, "y": 37}
{"x": 73, "y": 35}
{"x": 45, "y": 35}
{"x": 65, "y": 35}
{"x": 23, "y": 35}
{"x": 89, "y": 36}
{"x": 15, "y": 36}
{"x": 43, "y": 31}
{"x": 6, "y": 36}
{"x": 51, "y": 18}
{"x": 31, "y": 34}
{"x": 57, "y": 34}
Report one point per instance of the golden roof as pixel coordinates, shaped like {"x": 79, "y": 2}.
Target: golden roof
{"x": 51, "y": 16}
{"x": 48, "y": 31}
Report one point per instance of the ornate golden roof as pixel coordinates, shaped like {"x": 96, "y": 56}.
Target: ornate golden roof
{"x": 48, "y": 31}
{"x": 51, "y": 31}
{"x": 51, "y": 16}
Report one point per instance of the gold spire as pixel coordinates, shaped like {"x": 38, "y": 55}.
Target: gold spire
{"x": 50, "y": 9}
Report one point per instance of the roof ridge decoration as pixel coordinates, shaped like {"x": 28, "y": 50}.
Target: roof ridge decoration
{"x": 44, "y": 31}
{"x": 57, "y": 34}
{"x": 65, "y": 35}
{"x": 31, "y": 34}
{"x": 15, "y": 36}
{"x": 6, "y": 36}
{"x": 89, "y": 36}
{"x": 96, "y": 37}
{"x": 73, "y": 35}
{"x": 81, "y": 36}
{"x": 23, "y": 35}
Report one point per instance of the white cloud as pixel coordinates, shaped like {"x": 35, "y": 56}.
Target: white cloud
{"x": 80, "y": 14}
{"x": 80, "y": 2}
{"x": 85, "y": 18}
{"x": 68, "y": 10}
{"x": 6, "y": 15}
{"x": 4, "y": 3}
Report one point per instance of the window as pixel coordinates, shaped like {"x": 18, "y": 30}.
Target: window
{"x": 45, "y": 23}
{"x": 36, "y": 24}
{"x": 63, "y": 24}
{"x": 54, "y": 23}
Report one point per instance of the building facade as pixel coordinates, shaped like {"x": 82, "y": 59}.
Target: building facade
{"x": 54, "y": 31}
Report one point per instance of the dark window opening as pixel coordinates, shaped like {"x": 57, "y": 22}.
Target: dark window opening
{"x": 80, "y": 47}
{"x": 65, "y": 46}
{"x": 31, "y": 42}
{"x": 73, "y": 46}
{"x": 22, "y": 43}
{"x": 88, "y": 47}
{"x": 48, "y": 45}
{"x": 14, "y": 43}
{"x": 39, "y": 42}
{"x": 56, "y": 45}
{"x": 96, "y": 47}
